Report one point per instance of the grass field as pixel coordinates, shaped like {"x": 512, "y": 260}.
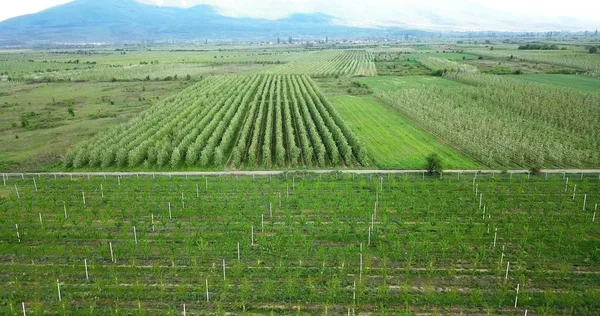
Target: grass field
{"x": 394, "y": 142}
{"x": 302, "y": 244}
{"x": 582, "y": 83}
{"x": 36, "y": 128}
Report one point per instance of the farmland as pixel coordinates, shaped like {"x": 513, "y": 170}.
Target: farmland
{"x": 260, "y": 120}
{"x": 281, "y": 99}
{"x": 300, "y": 243}
{"x": 504, "y": 122}
{"x": 249, "y": 179}
{"x": 393, "y": 141}
{"x": 331, "y": 63}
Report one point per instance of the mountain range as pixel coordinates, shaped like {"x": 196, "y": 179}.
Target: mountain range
{"x": 131, "y": 21}
{"x": 114, "y": 21}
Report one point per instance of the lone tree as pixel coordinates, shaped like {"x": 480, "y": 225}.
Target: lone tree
{"x": 593, "y": 50}
{"x": 434, "y": 164}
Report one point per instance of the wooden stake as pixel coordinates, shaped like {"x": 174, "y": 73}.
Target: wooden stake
{"x": 262, "y": 223}
{"x": 252, "y": 234}
{"x": 361, "y": 267}
{"x": 4, "y": 178}
{"x": 170, "y": 217}
{"x": 18, "y": 235}
{"x": 34, "y": 184}
{"x": 83, "y": 197}
{"x": 271, "y": 210}
{"x": 65, "y": 209}
{"x": 23, "y": 305}
{"x": 112, "y": 256}
{"x": 594, "y": 217}
{"x": 152, "y": 221}
{"x": 517, "y": 296}
{"x": 507, "y": 268}
{"x": 495, "y": 236}
{"x": 372, "y": 221}
{"x": 197, "y": 191}
{"x": 101, "y": 190}
{"x": 206, "y": 188}
{"x": 238, "y": 251}
{"x": 119, "y": 179}
{"x": 207, "y": 299}
{"x": 223, "y": 269}
{"x": 480, "y": 199}
{"x": 354, "y": 292}
{"x": 41, "y": 222}
{"x": 87, "y": 276}
{"x": 369, "y": 236}
{"x": 58, "y": 287}
{"x": 574, "y": 190}
{"x": 566, "y": 185}
{"x": 135, "y": 235}
{"x": 584, "y": 201}
{"x": 17, "y": 190}
{"x": 184, "y": 313}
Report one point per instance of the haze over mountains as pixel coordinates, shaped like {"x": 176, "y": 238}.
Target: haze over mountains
{"x": 132, "y": 21}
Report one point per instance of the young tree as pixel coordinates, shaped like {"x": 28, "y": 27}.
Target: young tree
{"x": 433, "y": 163}
{"x": 593, "y": 50}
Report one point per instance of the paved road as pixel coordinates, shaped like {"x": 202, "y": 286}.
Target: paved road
{"x": 276, "y": 172}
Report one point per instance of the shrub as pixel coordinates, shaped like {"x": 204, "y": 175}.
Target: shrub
{"x": 535, "y": 170}
{"x": 433, "y": 164}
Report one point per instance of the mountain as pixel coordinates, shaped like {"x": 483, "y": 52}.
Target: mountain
{"x": 117, "y": 21}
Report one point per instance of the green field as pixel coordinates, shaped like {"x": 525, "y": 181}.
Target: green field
{"x": 302, "y": 244}
{"x": 392, "y": 141}
{"x": 499, "y": 121}
{"x": 408, "y": 82}
{"x": 36, "y": 128}
{"x": 56, "y": 102}
{"x": 582, "y": 83}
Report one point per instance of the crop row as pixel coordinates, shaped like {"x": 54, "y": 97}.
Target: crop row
{"x": 445, "y": 65}
{"x": 331, "y": 63}
{"x": 250, "y": 121}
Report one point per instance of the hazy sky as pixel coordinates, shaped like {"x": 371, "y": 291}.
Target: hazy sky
{"x": 369, "y": 12}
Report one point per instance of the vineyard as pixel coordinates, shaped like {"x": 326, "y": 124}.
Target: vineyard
{"x": 300, "y": 244}
{"x": 331, "y": 63}
{"x": 507, "y": 122}
{"x": 239, "y": 121}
